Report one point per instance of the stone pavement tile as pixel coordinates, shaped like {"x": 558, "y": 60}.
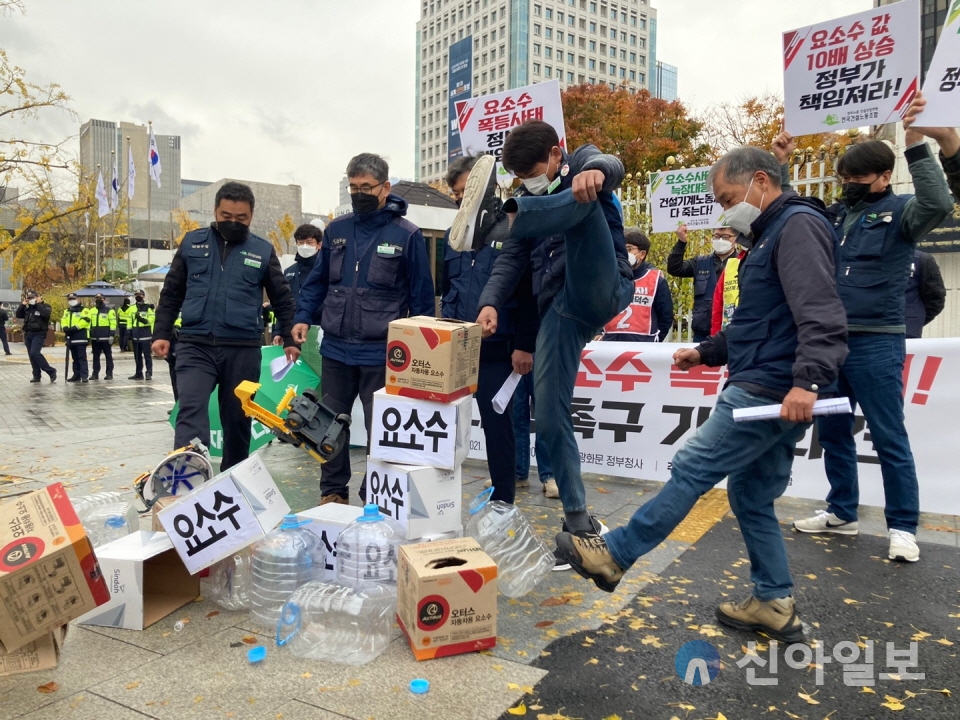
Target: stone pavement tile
{"x": 87, "y": 659}
{"x": 84, "y": 706}
{"x": 212, "y": 678}
{"x": 296, "y": 710}
{"x": 462, "y": 687}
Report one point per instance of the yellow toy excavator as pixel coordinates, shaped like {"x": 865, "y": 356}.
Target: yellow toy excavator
{"x": 308, "y": 424}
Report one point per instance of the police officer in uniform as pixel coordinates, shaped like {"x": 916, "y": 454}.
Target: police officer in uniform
{"x": 103, "y": 326}
{"x": 217, "y": 279}
{"x": 141, "y": 331}
{"x": 75, "y": 324}
{"x": 36, "y": 321}
{"x": 124, "y": 312}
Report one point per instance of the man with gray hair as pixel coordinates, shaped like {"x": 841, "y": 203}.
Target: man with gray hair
{"x": 785, "y": 344}
{"x": 372, "y": 269}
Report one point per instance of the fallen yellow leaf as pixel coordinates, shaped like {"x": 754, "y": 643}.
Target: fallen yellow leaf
{"x": 354, "y": 682}
{"x": 520, "y": 709}
{"x": 892, "y": 703}
{"x": 682, "y": 706}
{"x": 613, "y": 717}
{"x": 944, "y": 641}
{"x": 868, "y": 690}
{"x": 622, "y": 649}
{"x": 851, "y": 601}
{"x": 809, "y": 698}
{"x": 249, "y": 639}
{"x": 591, "y": 661}
{"x": 307, "y": 675}
{"x": 132, "y": 685}
{"x": 811, "y": 576}
{"x": 50, "y": 687}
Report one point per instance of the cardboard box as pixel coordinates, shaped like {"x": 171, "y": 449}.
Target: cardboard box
{"x": 48, "y": 572}
{"x": 447, "y": 598}
{"x": 160, "y": 504}
{"x": 147, "y": 581}
{"x": 327, "y": 522}
{"x": 435, "y": 537}
{"x": 224, "y": 515}
{"x": 425, "y": 500}
{"x": 420, "y": 432}
{"x": 433, "y": 358}
{"x": 41, "y": 654}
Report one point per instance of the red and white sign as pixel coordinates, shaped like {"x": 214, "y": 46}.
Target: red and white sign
{"x": 633, "y": 409}
{"x": 862, "y": 69}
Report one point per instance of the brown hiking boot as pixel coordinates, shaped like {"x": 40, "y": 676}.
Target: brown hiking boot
{"x": 776, "y": 618}
{"x": 334, "y": 498}
{"x": 590, "y": 557}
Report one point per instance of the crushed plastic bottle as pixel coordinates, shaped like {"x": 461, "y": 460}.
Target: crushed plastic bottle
{"x": 106, "y": 523}
{"x": 287, "y": 558}
{"x": 522, "y": 558}
{"x": 339, "y": 623}
{"x": 367, "y": 549}
{"x": 230, "y": 581}
{"x": 83, "y": 504}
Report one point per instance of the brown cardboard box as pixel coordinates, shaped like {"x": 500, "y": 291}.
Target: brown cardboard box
{"x": 447, "y": 598}
{"x": 41, "y": 654}
{"x": 160, "y": 504}
{"x": 48, "y": 572}
{"x": 433, "y": 358}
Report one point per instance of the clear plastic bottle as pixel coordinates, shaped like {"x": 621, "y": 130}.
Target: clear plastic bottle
{"x": 522, "y": 558}
{"x": 338, "y": 623}
{"x": 287, "y": 558}
{"x": 367, "y": 549}
{"x": 106, "y": 523}
{"x": 230, "y": 581}
{"x": 83, "y": 504}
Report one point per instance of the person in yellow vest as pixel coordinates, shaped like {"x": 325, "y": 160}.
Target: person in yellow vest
{"x": 726, "y": 294}
{"x": 103, "y": 327}
{"x": 124, "y": 313}
{"x": 141, "y": 327}
{"x": 75, "y": 324}
{"x": 649, "y": 316}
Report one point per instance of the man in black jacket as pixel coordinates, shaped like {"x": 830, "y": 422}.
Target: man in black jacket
{"x": 36, "y": 321}
{"x": 704, "y": 269}
{"x": 581, "y": 277}
{"x": 4, "y": 317}
{"x": 926, "y": 294}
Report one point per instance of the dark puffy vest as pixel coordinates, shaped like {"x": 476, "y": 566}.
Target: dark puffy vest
{"x": 224, "y": 300}
{"x": 704, "y": 282}
{"x": 468, "y": 273}
{"x": 915, "y": 314}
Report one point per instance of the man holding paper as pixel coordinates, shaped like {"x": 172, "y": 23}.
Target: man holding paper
{"x": 785, "y": 343}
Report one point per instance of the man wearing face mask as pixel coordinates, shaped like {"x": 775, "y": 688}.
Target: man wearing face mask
{"x": 103, "y": 326}
{"x": 75, "y": 324}
{"x": 373, "y": 268}
{"x": 36, "y": 321}
{"x": 878, "y": 231}
{"x": 123, "y": 324}
{"x": 216, "y": 284}
{"x": 785, "y": 344}
{"x": 649, "y": 316}
{"x": 141, "y": 332}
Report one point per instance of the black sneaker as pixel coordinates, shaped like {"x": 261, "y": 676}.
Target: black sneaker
{"x": 73, "y": 379}
{"x": 83, "y": 380}
{"x": 35, "y": 380}
{"x": 94, "y": 377}
{"x": 479, "y": 207}
{"x": 108, "y": 376}
{"x": 560, "y": 561}
{"x": 149, "y": 376}
{"x": 53, "y": 375}
{"x": 135, "y": 377}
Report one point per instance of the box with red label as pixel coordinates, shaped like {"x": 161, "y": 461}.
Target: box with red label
{"x": 432, "y": 358}
{"x": 447, "y": 598}
{"x": 48, "y": 572}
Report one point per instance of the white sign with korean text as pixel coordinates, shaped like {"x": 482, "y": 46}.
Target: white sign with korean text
{"x": 258, "y": 487}
{"x": 633, "y": 409}
{"x": 862, "y": 69}
{"x": 327, "y": 522}
{"x": 682, "y": 197}
{"x": 941, "y": 89}
{"x": 425, "y": 500}
{"x": 486, "y": 121}
{"x": 420, "y": 432}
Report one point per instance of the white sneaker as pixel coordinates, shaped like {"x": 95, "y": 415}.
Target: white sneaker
{"x": 824, "y": 522}
{"x": 480, "y": 182}
{"x": 903, "y": 546}
{"x": 550, "y": 489}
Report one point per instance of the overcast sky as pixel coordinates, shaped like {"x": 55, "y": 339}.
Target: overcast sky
{"x": 286, "y": 91}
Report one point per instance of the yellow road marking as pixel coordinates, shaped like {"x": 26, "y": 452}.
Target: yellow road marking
{"x": 709, "y": 510}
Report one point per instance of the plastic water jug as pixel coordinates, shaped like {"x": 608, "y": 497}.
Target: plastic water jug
{"x": 287, "y": 558}
{"x": 230, "y": 581}
{"x": 106, "y": 523}
{"x": 367, "y": 549}
{"x": 522, "y": 558}
{"x": 338, "y": 623}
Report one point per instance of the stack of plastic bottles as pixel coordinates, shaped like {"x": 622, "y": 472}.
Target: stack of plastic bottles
{"x": 522, "y": 558}
{"x": 287, "y": 558}
{"x": 349, "y": 621}
{"x": 106, "y": 516}
{"x": 230, "y": 581}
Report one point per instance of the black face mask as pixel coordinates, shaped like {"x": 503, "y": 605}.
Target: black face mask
{"x": 364, "y": 204}
{"x": 232, "y": 231}
{"x": 459, "y": 202}
{"x": 854, "y": 193}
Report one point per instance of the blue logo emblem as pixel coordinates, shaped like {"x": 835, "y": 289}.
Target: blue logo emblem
{"x": 697, "y": 662}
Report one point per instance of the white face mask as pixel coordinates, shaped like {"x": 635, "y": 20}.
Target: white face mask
{"x": 741, "y": 216}
{"x": 722, "y": 247}
{"x": 32, "y": 301}
{"x": 537, "y": 185}
{"x": 306, "y": 251}
{"x": 632, "y": 259}
{"x": 73, "y": 303}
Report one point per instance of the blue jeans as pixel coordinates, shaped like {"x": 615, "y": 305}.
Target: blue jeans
{"x": 756, "y": 458}
{"x": 521, "y": 430}
{"x": 872, "y": 376}
{"x": 594, "y": 291}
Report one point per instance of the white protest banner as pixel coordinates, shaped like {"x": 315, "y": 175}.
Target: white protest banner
{"x": 485, "y": 121}
{"x": 420, "y": 432}
{"x": 943, "y": 77}
{"x": 682, "y": 197}
{"x": 862, "y": 69}
{"x": 633, "y": 409}
{"x": 425, "y": 500}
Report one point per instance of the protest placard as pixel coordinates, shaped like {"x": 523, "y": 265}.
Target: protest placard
{"x": 942, "y": 86}
{"x": 862, "y": 69}
{"x": 682, "y": 197}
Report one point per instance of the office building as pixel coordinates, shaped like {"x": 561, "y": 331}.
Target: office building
{"x": 665, "y": 86}
{"x": 522, "y": 42}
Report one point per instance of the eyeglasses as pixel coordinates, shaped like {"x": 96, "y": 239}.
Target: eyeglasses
{"x": 721, "y": 236}
{"x": 363, "y": 189}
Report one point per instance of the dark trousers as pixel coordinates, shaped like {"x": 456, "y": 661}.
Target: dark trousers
{"x": 3, "y": 339}
{"x": 201, "y": 368}
{"x": 172, "y": 366}
{"x": 123, "y": 338}
{"x": 102, "y": 347}
{"x": 495, "y": 368}
{"x": 78, "y": 353}
{"x": 142, "y": 355}
{"x": 34, "y": 342}
{"x": 342, "y": 384}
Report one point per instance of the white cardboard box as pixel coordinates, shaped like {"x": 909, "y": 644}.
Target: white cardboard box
{"x": 146, "y": 579}
{"x": 425, "y": 500}
{"x": 420, "y": 432}
{"x": 327, "y": 522}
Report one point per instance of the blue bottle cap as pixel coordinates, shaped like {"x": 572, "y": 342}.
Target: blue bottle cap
{"x": 371, "y": 513}
{"x": 115, "y": 522}
{"x": 256, "y": 654}
{"x": 293, "y": 521}
{"x": 419, "y": 686}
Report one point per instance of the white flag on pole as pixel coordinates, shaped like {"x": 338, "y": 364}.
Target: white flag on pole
{"x": 153, "y": 159}
{"x": 115, "y": 187}
{"x": 103, "y": 202}
{"x": 131, "y": 173}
